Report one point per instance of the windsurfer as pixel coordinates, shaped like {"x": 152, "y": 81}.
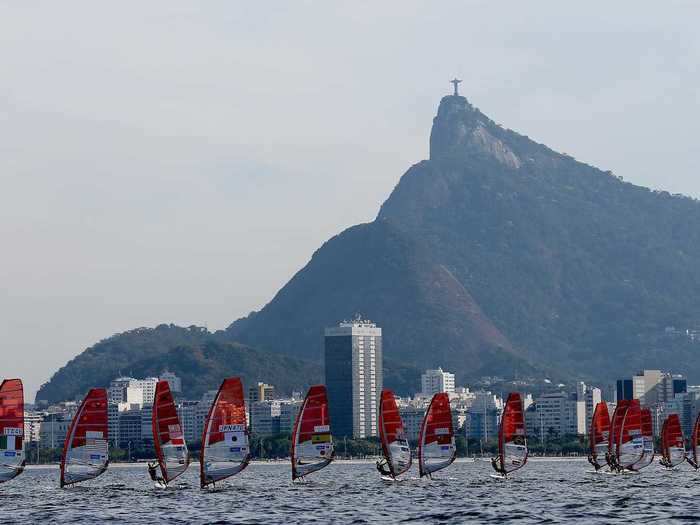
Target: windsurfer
{"x": 383, "y": 467}
{"x": 593, "y": 462}
{"x": 153, "y": 472}
{"x": 496, "y": 464}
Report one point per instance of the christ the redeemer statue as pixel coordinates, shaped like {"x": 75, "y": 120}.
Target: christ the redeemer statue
{"x": 455, "y": 82}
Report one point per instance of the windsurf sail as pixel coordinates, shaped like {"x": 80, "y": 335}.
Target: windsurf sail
{"x": 168, "y": 438}
{"x": 11, "y": 429}
{"x": 672, "y": 442}
{"x": 86, "y": 450}
{"x": 397, "y": 452}
{"x": 599, "y": 435}
{"x": 225, "y": 442}
{"x": 312, "y": 443}
{"x": 648, "y": 440}
{"x": 630, "y": 447}
{"x": 694, "y": 456}
{"x": 512, "y": 443}
{"x": 436, "y": 441}
{"x": 615, "y": 430}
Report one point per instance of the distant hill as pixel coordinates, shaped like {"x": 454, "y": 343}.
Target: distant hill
{"x": 197, "y": 356}
{"x": 500, "y": 256}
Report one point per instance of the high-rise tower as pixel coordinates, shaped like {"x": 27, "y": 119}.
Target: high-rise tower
{"x": 353, "y": 363}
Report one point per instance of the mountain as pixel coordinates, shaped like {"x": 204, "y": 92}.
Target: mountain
{"x": 500, "y": 256}
{"x": 495, "y": 257}
{"x": 199, "y": 358}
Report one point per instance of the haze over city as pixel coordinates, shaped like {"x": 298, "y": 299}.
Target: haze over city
{"x": 184, "y": 164}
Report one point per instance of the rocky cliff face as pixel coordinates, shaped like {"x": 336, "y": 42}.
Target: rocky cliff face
{"x": 499, "y": 255}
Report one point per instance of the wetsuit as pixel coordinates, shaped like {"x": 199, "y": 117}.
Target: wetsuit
{"x": 383, "y": 469}
{"x": 152, "y": 471}
{"x": 496, "y": 464}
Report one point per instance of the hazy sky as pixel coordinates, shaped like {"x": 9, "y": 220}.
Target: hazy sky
{"x": 169, "y": 161}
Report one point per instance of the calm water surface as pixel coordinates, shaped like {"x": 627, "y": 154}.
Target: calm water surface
{"x": 543, "y": 492}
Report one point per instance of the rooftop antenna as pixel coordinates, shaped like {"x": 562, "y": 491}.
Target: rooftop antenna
{"x": 455, "y": 82}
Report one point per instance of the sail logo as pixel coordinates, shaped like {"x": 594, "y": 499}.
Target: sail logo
{"x": 93, "y": 434}
{"x": 11, "y": 431}
{"x": 322, "y": 428}
{"x": 10, "y": 454}
{"x": 174, "y": 431}
{"x": 442, "y": 431}
{"x": 231, "y": 428}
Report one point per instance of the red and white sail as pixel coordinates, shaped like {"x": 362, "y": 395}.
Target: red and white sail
{"x": 225, "y": 442}
{"x": 599, "y": 435}
{"x": 168, "y": 437}
{"x": 615, "y": 430}
{"x": 648, "y": 440}
{"x": 630, "y": 448}
{"x": 11, "y": 429}
{"x": 672, "y": 442}
{"x": 436, "y": 441}
{"x": 694, "y": 456}
{"x": 312, "y": 443}
{"x": 392, "y": 435}
{"x": 86, "y": 450}
{"x": 512, "y": 441}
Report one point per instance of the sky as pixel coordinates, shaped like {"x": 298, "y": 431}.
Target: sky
{"x": 171, "y": 161}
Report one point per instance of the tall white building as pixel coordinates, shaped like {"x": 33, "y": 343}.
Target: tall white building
{"x": 32, "y": 425}
{"x": 354, "y": 378}
{"x": 174, "y": 382}
{"x": 131, "y": 391}
{"x": 593, "y": 396}
{"x": 289, "y": 409}
{"x": 556, "y": 414}
{"x": 265, "y": 418}
{"x": 434, "y": 381}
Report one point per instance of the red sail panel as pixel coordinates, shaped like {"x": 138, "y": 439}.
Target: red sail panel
{"x": 312, "y": 443}
{"x": 599, "y": 434}
{"x": 695, "y": 443}
{"x": 630, "y": 447}
{"x": 228, "y": 409}
{"x": 672, "y": 441}
{"x": 392, "y": 435}
{"x": 86, "y": 447}
{"x": 600, "y": 425}
{"x": 512, "y": 443}
{"x": 390, "y": 423}
{"x": 168, "y": 437}
{"x": 11, "y": 429}
{"x": 225, "y": 449}
{"x": 436, "y": 447}
{"x": 616, "y": 426}
{"x": 648, "y": 440}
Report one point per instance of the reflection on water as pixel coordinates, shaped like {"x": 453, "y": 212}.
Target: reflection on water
{"x": 544, "y": 491}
